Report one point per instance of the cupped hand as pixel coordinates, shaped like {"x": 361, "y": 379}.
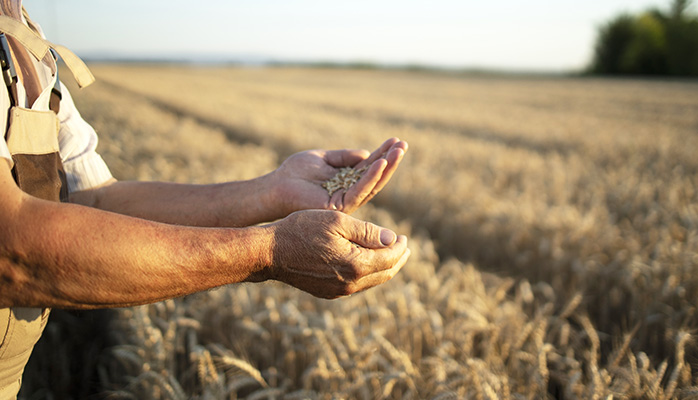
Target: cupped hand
{"x": 301, "y": 177}
{"x": 330, "y": 254}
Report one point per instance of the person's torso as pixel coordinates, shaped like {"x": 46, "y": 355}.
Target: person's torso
{"x": 32, "y": 137}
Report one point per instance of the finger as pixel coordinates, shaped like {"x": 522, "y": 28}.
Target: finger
{"x": 393, "y": 159}
{"x": 345, "y": 158}
{"x": 357, "y": 193}
{"x": 378, "y": 153}
{"x": 400, "y": 145}
{"x": 335, "y": 202}
{"x": 378, "y": 266}
{"x": 369, "y": 235}
{"x": 383, "y": 259}
{"x": 381, "y": 277}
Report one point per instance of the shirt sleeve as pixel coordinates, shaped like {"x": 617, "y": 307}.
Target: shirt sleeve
{"x": 4, "y": 151}
{"x": 77, "y": 140}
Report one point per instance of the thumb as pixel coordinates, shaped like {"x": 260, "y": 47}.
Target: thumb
{"x": 387, "y": 237}
{"x": 373, "y": 236}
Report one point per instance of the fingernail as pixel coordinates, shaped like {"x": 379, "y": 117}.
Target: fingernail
{"x": 387, "y": 237}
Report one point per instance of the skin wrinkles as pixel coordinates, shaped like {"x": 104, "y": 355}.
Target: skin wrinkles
{"x": 340, "y": 268}
{"x": 150, "y": 241}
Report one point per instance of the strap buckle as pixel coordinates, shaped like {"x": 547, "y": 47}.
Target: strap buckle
{"x": 9, "y": 73}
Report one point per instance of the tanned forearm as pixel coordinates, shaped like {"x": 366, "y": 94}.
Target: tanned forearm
{"x": 232, "y": 204}
{"x": 69, "y": 256}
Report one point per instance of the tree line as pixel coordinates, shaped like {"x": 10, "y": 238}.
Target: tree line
{"x": 655, "y": 42}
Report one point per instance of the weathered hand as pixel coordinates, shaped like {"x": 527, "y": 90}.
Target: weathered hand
{"x": 301, "y": 176}
{"x": 329, "y": 254}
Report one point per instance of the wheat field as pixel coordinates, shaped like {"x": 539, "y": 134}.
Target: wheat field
{"x": 553, "y": 223}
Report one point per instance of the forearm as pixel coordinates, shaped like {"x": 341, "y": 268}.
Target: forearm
{"x": 231, "y": 204}
{"x": 68, "y": 256}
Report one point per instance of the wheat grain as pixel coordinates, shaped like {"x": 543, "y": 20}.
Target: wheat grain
{"x": 328, "y": 353}
{"x": 523, "y": 336}
{"x": 505, "y": 389}
{"x": 571, "y": 306}
{"x": 206, "y": 369}
{"x": 624, "y": 347}
{"x": 349, "y": 337}
{"x": 543, "y": 363}
{"x": 395, "y": 354}
{"x": 388, "y": 387}
{"x": 587, "y": 188}
{"x": 150, "y": 377}
{"x": 227, "y": 358}
{"x": 474, "y": 374}
{"x": 345, "y": 178}
{"x": 681, "y": 339}
{"x": 654, "y": 388}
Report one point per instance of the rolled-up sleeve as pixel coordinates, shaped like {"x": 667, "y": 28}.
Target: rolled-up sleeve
{"x": 5, "y": 152}
{"x": 84, "y": 168}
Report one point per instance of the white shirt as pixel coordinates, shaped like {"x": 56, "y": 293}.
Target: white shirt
{"x": 77, "y": 140}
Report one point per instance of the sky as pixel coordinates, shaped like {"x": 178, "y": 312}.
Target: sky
{"x": 532, "y": 35}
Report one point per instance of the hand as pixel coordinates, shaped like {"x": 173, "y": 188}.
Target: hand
{"x": 301, "y": 177}
{"x": 329, "y": 254}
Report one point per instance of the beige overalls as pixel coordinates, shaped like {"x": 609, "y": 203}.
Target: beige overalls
{"x": 32, "y": 138}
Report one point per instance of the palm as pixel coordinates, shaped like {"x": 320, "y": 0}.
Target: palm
{"x": 304, "y": 174}
{"x": 301, "y": 176}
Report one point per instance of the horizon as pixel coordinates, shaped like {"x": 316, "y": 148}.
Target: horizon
{"x": 541, "y": 35}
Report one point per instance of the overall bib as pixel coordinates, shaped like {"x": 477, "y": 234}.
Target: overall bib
{"x": 32, "y": 138}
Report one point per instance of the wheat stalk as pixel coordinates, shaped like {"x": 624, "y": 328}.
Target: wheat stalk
{"x": 681, "y": 339}
{"x": 571, "y": 306}
{"x": 395, "y": 354}
{"x": 268, "y": 393}
{"x": 227, "y": 358}
{"x": 595, "y": 203}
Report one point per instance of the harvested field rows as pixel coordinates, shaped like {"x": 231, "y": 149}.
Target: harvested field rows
{"x": 553, "y": 226}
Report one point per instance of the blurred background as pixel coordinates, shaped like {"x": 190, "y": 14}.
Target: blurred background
{"x": 539, "y": 35}
{"x": 552, "y": 215}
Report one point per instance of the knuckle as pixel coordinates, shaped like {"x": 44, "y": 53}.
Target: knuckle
{"x": 333, "y": 217}
{"x": 371, "y": 195}
{"x": 368, "y": 230}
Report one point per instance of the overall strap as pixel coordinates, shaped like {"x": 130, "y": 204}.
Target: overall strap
{"x": 54, "y": 103}
{"x": 39, "y": 48}
{"x": 9, "y": 73}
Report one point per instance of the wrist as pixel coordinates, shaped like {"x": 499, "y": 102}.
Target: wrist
{"x": 277, "y": 199}
{"x": 260, "y": 242}
{"x": 245, "y": 203}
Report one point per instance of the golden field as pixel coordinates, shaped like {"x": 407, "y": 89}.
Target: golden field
{"x": 553, "y": 224}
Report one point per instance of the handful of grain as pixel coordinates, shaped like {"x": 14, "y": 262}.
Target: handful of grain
{"x": 346, "y": 177}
